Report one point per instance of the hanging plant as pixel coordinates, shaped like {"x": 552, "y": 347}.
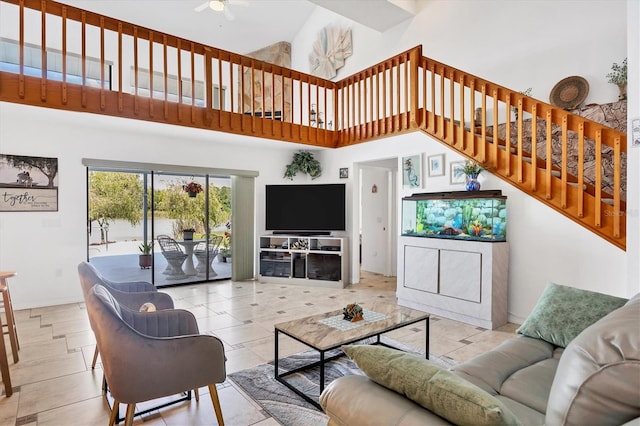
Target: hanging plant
{"x": 303, "y": 162}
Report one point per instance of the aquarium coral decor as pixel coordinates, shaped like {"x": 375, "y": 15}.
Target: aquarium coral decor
{"x": 477, "y": 215}
{"x": 352, "y": 312}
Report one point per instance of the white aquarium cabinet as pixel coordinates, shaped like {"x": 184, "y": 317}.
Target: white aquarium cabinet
{"x": 306, "y": 260}
{"x": 458, "y": 279}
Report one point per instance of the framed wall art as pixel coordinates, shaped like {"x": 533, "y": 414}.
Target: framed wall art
{"x": 436, "y": 165}
{"x": 412, "y": 171}
{"x": 28, "y": 184}
{"x": 457, "y": 172}
{"x": 344, "y": 172}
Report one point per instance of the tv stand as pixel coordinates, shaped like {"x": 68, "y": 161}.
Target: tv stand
{"x": 304, "y": 233}
{"x": 304, "y": 260}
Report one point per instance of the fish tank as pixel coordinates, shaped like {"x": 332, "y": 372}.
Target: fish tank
{"x": 460, "y": 215}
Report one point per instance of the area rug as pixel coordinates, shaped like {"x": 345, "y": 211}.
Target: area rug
{"x": 286, "y": 406}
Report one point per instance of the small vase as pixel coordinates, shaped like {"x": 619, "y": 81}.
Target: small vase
{"x": 192, "y": 194}
{"x": 472, "y": 183}
{"x": 187, "y": 235}
{"x": 623, "y": 91}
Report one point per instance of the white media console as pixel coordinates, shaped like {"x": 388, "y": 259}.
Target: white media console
{"x": 305, "y": 260}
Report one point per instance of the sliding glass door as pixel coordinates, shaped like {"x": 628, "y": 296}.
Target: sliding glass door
{"x": 164, "y": 228}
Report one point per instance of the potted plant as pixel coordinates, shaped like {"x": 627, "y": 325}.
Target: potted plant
{"x": 192, "y": 188}
{"x": 618, "y": 76}
{"x": 304, "y": 162}
{"x": 225, "y": 250}
{"x": 187, "y": 233}
{"x": 144, "y": 259}
{"x": 471, "y": 170}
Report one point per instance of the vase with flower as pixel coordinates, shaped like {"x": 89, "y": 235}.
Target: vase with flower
{"x": 472, "y": 170}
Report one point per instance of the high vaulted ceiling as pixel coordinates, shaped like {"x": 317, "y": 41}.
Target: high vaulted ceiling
{"x": 256, "y": 23}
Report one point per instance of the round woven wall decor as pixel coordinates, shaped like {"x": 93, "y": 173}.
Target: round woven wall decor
{"x": 569, "y": 92}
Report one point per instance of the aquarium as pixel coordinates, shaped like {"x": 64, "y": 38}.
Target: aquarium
{"x": 464, "y": 215}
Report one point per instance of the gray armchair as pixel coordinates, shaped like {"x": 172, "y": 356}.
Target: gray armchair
{"x": 130, "y": 294}
{"x": 148, "y": 355}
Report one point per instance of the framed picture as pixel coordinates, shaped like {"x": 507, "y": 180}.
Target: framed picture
{"x": 412, "y": 171}
{"x": 436, "y": 165}
{"x": 29, "y": 184}
{"x": 344, "y": 172}
{"x": 457, "y": 172}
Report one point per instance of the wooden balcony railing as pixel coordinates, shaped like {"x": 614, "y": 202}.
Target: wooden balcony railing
{"x": 57, "y": 56}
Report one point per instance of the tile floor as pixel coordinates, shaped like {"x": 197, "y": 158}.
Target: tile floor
{"x": 54, "y": 384}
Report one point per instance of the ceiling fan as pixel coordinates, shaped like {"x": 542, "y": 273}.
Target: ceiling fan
{"x": 221, "y": 6}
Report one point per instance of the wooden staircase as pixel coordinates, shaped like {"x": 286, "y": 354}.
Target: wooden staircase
{"x": 245, "y": 96}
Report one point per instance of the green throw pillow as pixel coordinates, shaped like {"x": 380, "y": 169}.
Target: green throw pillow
{"x": 563, "y": 312}
{"x": 438, "y": 390}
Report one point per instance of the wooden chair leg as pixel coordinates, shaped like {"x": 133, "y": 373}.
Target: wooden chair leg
{"x": 213, "y": 392}
{"x": 95, "y": 358}
{"x": 131, "y": 410}
{"x": 196, "y": 393}
{"x": 114, "y": 413}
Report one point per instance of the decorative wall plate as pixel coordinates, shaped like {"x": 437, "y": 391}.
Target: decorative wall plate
{"x": 569, "y": 92}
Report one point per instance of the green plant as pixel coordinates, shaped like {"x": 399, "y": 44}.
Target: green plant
{"x": 472, "y": 168}
{"x": 618, "y": 74}
{"x": 303, "y": 162}
{"x": 145, "y": 248}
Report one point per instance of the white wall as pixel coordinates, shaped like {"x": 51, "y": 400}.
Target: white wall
{"x": 46, "y": 247}
{"x": 489, "y": 39}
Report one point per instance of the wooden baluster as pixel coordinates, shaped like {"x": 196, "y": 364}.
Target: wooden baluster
{"x": 353, "y": 108}
{"x": 302, "y": 120}
{"x": 317, "y": 111}
{"x": 242, "y": 90}
{"x": 179, "y": 59}
{"x": 208, "y": 81}
{"x": 581, "y": 168}
{"x": 441, "y": 120}
{"x": 136, "y": 82}
{"x": 472, "y": 112}
{"x": 520, "y": 142}
{"x": 64, "y": 55}
{"x": 534, "y": 148}
{"x": 232, "y": 95}
{"x": 495, "y": 125}
{"x": 617, "y": 178}
{"x": 598, "y": 185}
{"x": 220, "y": 89}
{"x": 166, "y": 77}
{"x": 253, "y": 97}
{"x": 103, "y": 100}
{"x": 508, "y": 133}
{"x": 120, "y": 100}
{"x": 432, "y": 123}
{"x": 410, "y": 81}
{"x": 83, "y": 89}
{"x": 461, "y": 131}
{"x": 424, "y": 123}
{"x": 398, "y": 99}
{"x": 43, "y": 50}
{"x": 193, "y": 84}
{"x": 273, "y": 103}
{"x": 21, "y": 47}
{"x": 370, "y": 129}
{"x": 382, "y": 125}
{"x": 151, "y": 110}
{"x": 564, "y": 171}
{"x": 451, "y": 137}
{"x": 549, "y": 164}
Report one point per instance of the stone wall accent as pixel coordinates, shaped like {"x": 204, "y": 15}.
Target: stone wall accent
{"x": 613, "y": 115}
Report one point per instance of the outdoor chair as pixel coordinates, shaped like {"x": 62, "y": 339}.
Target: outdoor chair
{"x": 131, "y": 294}
{"x": 150, "y": 355}
{"x": 172, "y": 251}
{"x": 203, "y": 250}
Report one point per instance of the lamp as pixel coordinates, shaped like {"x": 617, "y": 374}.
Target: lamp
{"x": 312, "y": 114}
{"x": 217, "y": 5}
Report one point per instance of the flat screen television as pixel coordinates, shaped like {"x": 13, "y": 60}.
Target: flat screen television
{"x": 305, "y": 209}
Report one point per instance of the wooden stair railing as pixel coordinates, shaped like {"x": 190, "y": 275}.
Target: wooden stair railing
{"x": 148, "y": 75}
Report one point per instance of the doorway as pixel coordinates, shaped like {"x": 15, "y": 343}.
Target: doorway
{"x": 377, "y": 217}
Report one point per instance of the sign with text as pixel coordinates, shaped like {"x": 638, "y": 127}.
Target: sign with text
{"x": 28, "y": 183}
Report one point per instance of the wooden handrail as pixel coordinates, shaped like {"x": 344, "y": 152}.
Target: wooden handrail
{"x": 143, "y": 73}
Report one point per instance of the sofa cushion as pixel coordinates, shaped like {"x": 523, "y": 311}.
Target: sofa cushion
{"x": 562, "y": 312}
{"x": 598, "y": 376}
{"x": 431, "y": 386}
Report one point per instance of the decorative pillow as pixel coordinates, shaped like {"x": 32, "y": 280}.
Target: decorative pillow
{"x": 563, "y": 312}
{"x": 148, "y": 307}
{"x": 431, "y": 386}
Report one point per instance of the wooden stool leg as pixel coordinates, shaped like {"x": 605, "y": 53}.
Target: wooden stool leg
{"x": 13, "y": 333}
{"x": 114, "y": 413}
{"x": 131, "y": 410}
{"x": 95, "y": 358}
{"x": 4, "y": 365}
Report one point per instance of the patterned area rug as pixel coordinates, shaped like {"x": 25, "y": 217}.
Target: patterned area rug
{"x": 285, "y": 405}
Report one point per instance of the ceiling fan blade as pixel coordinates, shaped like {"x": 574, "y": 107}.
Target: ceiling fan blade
{"x": 238, "y": 2}
{"x": 202, "y": 7}
{"x": 228, "y": 14}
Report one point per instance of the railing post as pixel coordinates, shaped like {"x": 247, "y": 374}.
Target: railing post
{"x": 414, "y": 58}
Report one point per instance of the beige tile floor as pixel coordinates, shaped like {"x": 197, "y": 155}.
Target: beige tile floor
{"x": 54, "y": 384}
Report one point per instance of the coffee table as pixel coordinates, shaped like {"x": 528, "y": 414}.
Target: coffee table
{"x": 325, "y": 332}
